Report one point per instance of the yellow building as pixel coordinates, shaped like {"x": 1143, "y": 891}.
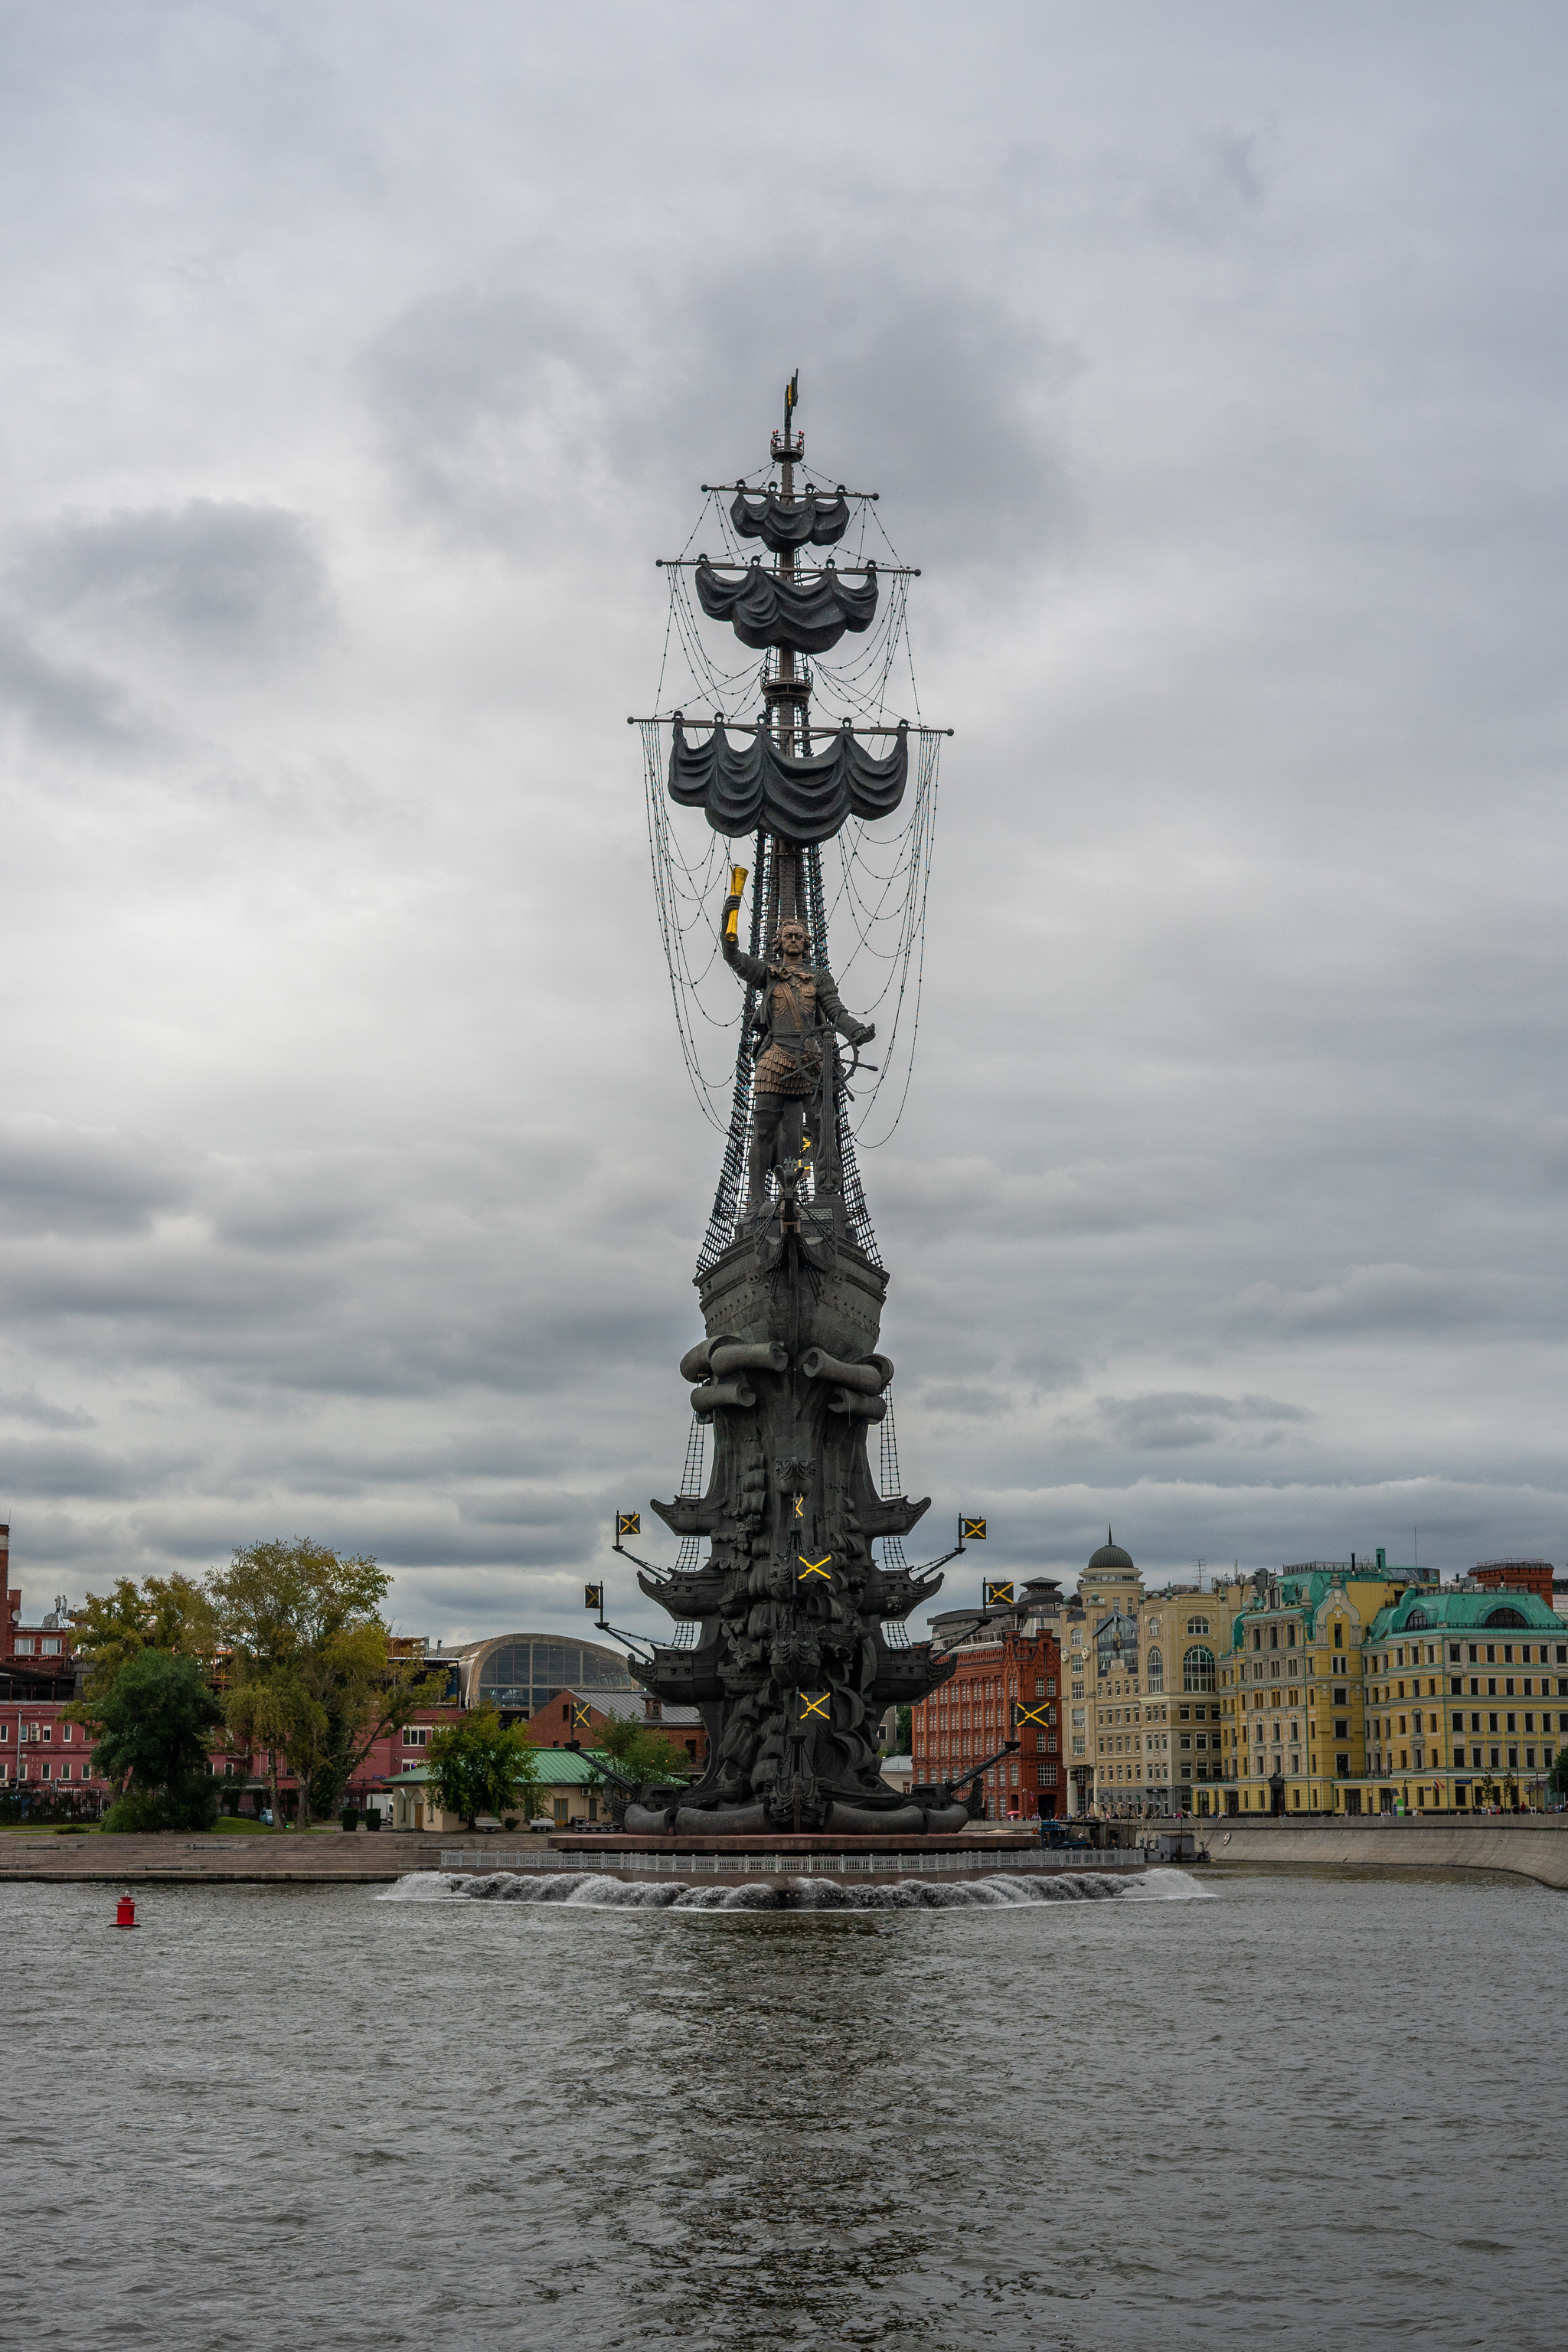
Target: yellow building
{"x": 1466, "y": 1701}
{"x": 1143, "y": 1675}
{"x": 1294, "y": 1686}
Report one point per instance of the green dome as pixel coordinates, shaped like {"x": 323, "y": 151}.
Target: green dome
{"x": 1110, "y": 1557}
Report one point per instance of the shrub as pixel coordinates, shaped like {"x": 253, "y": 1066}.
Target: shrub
{"x": 184, "y": 1805}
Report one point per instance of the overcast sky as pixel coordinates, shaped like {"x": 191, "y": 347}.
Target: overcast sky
{"x": 358, "y": 361}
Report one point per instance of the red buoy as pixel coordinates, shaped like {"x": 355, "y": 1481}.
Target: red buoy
{"x": 125, "y": 1917}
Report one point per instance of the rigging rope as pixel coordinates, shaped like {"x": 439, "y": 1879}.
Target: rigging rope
{"x": 692, "y": 1484}
{"x": 889, "y": 1482}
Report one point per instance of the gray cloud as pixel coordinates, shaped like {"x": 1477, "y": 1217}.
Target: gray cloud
{"x": 59, "y": 1180}
{"x": 217, "y": 576}
{"x": 526, "y": 403}
{"x": 26, "y": 1404}
{"x": 1383, "y": 1300}
{"x": 348, "y": 1183}
{"x": 62, "y": 703}
{"x": 1173, "y": 1418}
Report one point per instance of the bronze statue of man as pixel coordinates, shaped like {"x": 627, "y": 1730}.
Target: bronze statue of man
{"x": 799, "y": 1002}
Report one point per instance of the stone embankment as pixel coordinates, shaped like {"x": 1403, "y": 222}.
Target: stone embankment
{"x": 1532, "y": 1845}
{"x": 321, "y": 1857}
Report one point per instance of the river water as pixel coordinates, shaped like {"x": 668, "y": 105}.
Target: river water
{"x": 1311, "y": 2111}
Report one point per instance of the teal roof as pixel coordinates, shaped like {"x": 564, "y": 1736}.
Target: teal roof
{"x": 1471, "y": 1612}
{"x": 1306, "y": 1589}
{"x": 1304, "y": 1594}
{"x": 559, "y": 1767}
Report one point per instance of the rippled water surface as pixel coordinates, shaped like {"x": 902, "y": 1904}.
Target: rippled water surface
{"x": 1308, "y": 2111}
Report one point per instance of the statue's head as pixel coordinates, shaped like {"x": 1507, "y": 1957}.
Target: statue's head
{"x": 792, "y": 938}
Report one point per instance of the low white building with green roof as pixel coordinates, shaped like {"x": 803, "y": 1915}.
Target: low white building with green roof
{"x": 569, "y": 1794}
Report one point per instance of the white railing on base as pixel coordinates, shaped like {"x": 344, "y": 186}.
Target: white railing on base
{"x": 792, "y": 1866}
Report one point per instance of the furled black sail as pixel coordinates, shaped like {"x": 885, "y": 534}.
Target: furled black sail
{"x": 769, "y": 608}
{"x": 809, "y": 520}
{"x": 805, "y": 798}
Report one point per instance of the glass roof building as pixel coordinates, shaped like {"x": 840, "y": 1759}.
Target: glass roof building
{"x": 520, "y": 1671}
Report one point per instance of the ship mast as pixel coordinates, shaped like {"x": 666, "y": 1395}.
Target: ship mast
{"x": 786, "y": 695}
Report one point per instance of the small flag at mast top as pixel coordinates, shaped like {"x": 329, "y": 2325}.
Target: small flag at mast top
{"x": 791, "y": 395}
{"x": 997, "y": 1596}
{"x": 628, "y": 1523}
{"x": 971, "y": 1531}
{"x": 594, "y": 1597}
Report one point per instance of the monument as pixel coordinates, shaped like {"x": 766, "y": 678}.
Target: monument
{"x": 790, "y": 1631}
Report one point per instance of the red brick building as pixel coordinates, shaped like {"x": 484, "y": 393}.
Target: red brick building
{"x": 1515, "y": 1575}
{"x": 1007, "y": 1686}
{"x": 575, "y": 1717}
{"x": 40, "y": 1751}
{"x": 47, "y": 1645}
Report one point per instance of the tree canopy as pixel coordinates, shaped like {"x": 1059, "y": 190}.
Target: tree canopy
{"x": 156, "y": 1724}
{"x": 292, "y": 1636}
{"x": 476, "y": 1766}
{"x": 642, "y": 1754}
{"x": 163, "y": 1613}
{"x": 312, "y": 1673}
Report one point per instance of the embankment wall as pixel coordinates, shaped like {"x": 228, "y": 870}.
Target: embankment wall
{"x": 1533, "y": 1845}
{"x": 318, "y": 1856}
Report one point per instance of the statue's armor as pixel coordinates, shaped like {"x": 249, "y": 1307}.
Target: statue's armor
{"x": 791, "y": 1062}
{"x": 794, "y": 999}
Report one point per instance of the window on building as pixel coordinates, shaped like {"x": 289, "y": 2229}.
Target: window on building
{"x": 1338, "y": 1636}
{"x": 1198, "y": 1670}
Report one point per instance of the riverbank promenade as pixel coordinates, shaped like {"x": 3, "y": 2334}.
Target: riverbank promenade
{"x": 1531, "y": 1846}
{"x": 322, "y": 1857}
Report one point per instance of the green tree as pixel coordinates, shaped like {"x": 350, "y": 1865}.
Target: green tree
{"x": 265, "y": 1713}
{"x": 1557, "y": 1778}
{"x": 155, "y": 1731}
{"x": 305, "y": 1622}
{"x": 165, "y": 1612}
{"x": 905, "y": 1734}
{"x": 476, "y": 1766}
{"x": 643, "y": 1755}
